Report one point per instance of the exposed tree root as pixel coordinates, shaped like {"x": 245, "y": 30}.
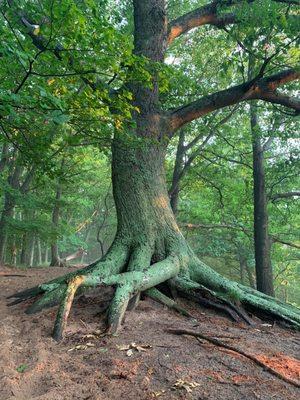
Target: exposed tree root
{"x": 251, "y": 357}
{"x": 155, "y": 294}
{"x": 65, "y": 307}
{"x": 128, "y": 268}
{"x": 208, "y": 298}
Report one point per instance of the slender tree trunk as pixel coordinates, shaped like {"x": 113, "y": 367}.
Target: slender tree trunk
{"x": 46, "y": 254}
{"x": 55, "y": 258}
{"x": 4, "y": 156}
{"x": 263, "y": 266}
{"x": 242, "y": 268}
{"x": 13, "y": 181}
{"x": 24, "y": 249}
{"x": 31, "y": 251}
{"x": 175, "y": 187}
{"x": 6, "y": 214}
{"x": 39, "y": 251}
{"x": 86, "y": 239}
{"x": 14, "y": 251}
{"x": 250, "y": 276}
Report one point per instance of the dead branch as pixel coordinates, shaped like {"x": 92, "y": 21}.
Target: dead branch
{"x": 251, "y": 357}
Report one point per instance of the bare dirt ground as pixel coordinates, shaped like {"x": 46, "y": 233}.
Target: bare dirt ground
{"x": 87, "y": 365}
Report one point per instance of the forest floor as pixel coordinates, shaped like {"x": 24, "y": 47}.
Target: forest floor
{"x": 159, "y": 365}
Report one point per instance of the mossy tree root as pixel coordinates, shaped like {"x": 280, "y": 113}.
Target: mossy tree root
{"x": 114, "y": 262}
{"x": 65, "y": 306}
{"x": 237, "y": 296}
{"x": 127, "y": 284}
{"x": 208, "y": 298}
{"x": 155, "y": 294}
{"x": 128, "y": 268}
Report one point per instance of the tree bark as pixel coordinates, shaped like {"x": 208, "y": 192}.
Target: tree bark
{"x": 263, "y": 266}
{"x": 39, "y": 251}
{"x": 55, "y": 258}
{"x": 175, "y": 186}
{"x": 46, "y": 253}
{"x": 15, "y": 184}
{"x": 6, "y": 214}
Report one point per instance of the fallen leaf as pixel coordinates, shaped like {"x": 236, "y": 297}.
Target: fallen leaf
{"x": 188, "y": 386}
{"x": 133, "y": 346}
{"x": 158, "y": 394}
{"x": 129, "y": 352}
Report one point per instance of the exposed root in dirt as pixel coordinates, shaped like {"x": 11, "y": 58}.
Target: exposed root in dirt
{"x": 130, "y": 271}
{"x": 251, "y": 357}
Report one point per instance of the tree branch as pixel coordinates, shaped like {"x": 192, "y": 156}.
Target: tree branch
{"x": 290, "y": 244}
{"x": 42, "y": 43}
{"x": 286, "y": 195}
{"x": 274, "y": 239}
{"x": 230, "y": 347}
{"x": 213, "y": 226}
{"x": 208, "y": 15}
{"x": 255, "y": 89}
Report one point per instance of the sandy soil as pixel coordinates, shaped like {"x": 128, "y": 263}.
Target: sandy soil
{"x": 87, "y": 365}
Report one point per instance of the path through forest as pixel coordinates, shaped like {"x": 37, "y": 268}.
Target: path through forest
{"x": 143, "y": 362}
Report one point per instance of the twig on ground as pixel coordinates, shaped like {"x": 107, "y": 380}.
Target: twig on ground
{"x": 251, "y": 357}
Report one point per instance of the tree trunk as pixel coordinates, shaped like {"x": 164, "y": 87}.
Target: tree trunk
{"x": 250, "y": 276}
{"x": 263, "y": 266}
{"x": 6, "y": 214}
{"x": 55, "y": 258}
{"x": 39, "y": 252}
{"x": 175, "y": 187}
{"x": 13, "y": 181}
{"x": 242, "y": 269}
{"x": 23, "y": 255}
{"x": 46, "y": 254}
{"x": 142, "y": 204}
{"x": 31, "y": 251}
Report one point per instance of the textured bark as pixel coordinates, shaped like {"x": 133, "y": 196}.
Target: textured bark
{"x": 262, "y": 244}
{"x": 177, "y": 172}
{"x": 6, "y": 214}
{"x": 55, "y": 258}
{"x": 143, "y": 209}
{"x": 13, "y": 181}
{"x": 4, "y": 156}
{"x": 254, "y": 89}
{"x": 39, "y": 251}
{"x": 17, "y": 182}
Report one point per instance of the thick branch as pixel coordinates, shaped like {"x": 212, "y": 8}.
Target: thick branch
{"x": 274, "y": 239}
{"x": 286, "y": 195}
{"x": 256, "y": 89}
{"x": 206, "y": 15}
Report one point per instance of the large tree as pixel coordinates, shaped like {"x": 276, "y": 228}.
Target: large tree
{"x": 149, "y": 248}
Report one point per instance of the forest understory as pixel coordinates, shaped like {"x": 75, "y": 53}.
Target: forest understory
{"x": 144, "y": 361}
